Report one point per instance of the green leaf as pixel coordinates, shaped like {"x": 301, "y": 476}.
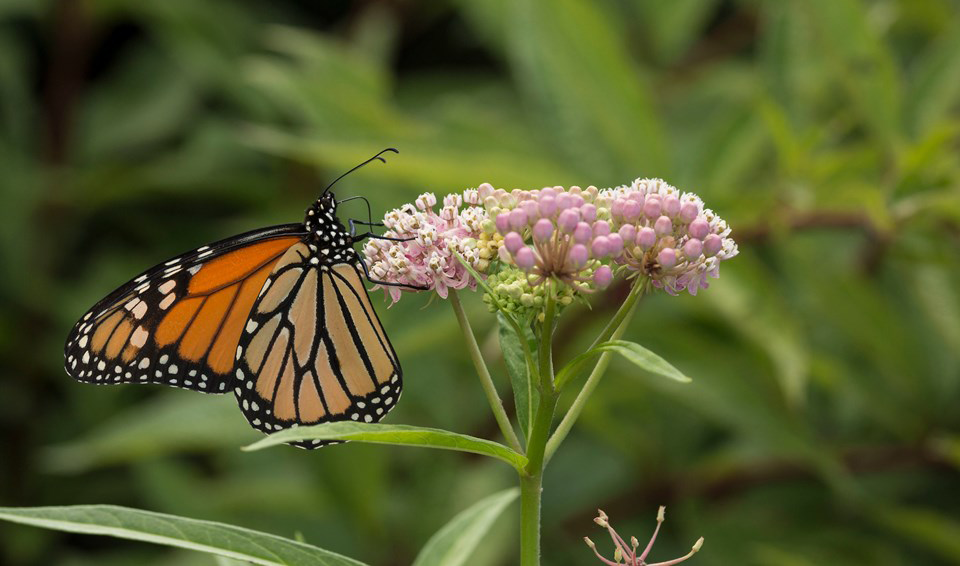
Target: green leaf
{"x": 525, "y": 395}
{"x": 181, "y": 532}
{"x": 634, "y": 353}
{"x": 394, "y": 434}
{"x": 456, "y": 541}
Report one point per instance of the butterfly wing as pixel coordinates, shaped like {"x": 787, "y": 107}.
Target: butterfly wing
{"x": 314, "y": 350}
{"x": 179, "y": 323}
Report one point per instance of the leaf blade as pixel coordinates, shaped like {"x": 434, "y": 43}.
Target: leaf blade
{"x": 525, "y": 396}
{"x": 403, "y": 435}
{"x": 193, "y": 534}
{"x": 455, "y": 541}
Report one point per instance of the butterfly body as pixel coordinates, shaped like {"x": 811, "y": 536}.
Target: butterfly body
{"x": 278, "y": 316}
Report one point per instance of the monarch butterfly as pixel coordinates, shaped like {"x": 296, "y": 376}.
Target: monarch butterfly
{"x": 279, "y": 316}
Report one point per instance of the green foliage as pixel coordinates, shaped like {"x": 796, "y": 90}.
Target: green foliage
{"x": 394, "y": 434}
{"x": 456, "y": 541}
{"x": 632, "y": 352}
{"x": 822, "y": 427}
{"x": 204, "y": 536}
{"x": 525, "y": 395}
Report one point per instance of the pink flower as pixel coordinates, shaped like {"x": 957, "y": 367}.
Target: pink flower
{"x": 426, "y": 259}
{"x": 679, "y": 244}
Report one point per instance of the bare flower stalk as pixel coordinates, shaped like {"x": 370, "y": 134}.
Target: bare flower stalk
{"x": 626, "y": 555}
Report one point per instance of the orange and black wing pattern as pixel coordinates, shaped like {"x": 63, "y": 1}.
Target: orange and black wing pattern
{"x": 313, "y": 349}
{"x": 179, "y": 323}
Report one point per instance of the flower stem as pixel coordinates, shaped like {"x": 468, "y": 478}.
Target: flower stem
{"x": 531, "y": 482}
{"x": 622, "y": 318}
{"x": 484, "y": 374}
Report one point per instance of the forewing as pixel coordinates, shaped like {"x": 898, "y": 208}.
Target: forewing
{"x": 179, "y": 323}
{"x": 314, "y": 350}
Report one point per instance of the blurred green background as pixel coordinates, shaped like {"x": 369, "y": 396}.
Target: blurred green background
{"x": 822, "y": 427}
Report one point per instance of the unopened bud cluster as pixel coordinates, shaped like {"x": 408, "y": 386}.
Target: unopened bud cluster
{"x": 514, "y": 293}
{"x": 648, "y": 228}
{"x": 554, "y": 233}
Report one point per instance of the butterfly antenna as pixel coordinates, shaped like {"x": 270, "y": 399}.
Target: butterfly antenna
{"x": 374, "y": 158}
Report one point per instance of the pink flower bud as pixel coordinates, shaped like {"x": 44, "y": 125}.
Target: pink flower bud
{"x": 504, "y": 254}
{"x": 692, "y": 249}
{"x": 531, "y": 209}
{"x": 646, "y": 238}
{"x": 503, "y": 222}
{"x": 688, "y": 212}
{"x": 699, "y": 228}
{"x": 518, "y": 218}
{"x": 588, "y": 212}
{"x": 582, "y": 233}
{"x": 628, "y": 232}
{"x": 484, "y": 190}
{"x": 616, "y": 208}
{"x": 631, "y": 210}
{"x": 547, "y": 192}
{"x": 712, "y": 245}
{"x": 600, "y": 246}
{"x": 564, "y": 201}
{"x": 568, "y": 219}
{"x": 616, "y": 244}
{"x": 578, "y": 255}
{"x": 524, "y": 258}
{"x": 651, "y": 208}
{"x": 576, "y": 201}
{"x": 663, "y": 226}
{"x": 603, "y": 276}
{"x": 513, "y": 242}
{"x": 548, "y": 205}
{"x": 671, "y": 206}
{"x": 542, "y": 230}
{"x": 667, "y": 258}
{"x": 601, "y": 228}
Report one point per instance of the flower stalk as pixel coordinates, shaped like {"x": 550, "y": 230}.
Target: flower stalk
{"x": 489, "y": 389}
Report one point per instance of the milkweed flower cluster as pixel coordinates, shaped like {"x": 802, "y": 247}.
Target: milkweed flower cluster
{"x": 582, "y": 238}
{"x": 425, "y": 259}
{"x": 553, "y": 233}
{"x": 647, "y": 228}
{"x": 670, "y": 236}
{"x": 625, "y": 554}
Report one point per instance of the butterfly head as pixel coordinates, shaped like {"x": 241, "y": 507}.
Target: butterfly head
{"x": 326, "y": 231}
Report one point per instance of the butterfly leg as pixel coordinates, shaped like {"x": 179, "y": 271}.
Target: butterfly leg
{"x": 360, "y": 237}
{"x": 366, "y": 272}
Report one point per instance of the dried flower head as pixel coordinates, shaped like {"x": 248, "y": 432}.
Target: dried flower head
{"x": 625, "y": 554}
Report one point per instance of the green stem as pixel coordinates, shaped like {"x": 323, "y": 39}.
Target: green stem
{"x": 484, "y": 374}
{"x": 625, "y": 310}
{"x": 531, "y": 482}
{"x": 623, "y": 320}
